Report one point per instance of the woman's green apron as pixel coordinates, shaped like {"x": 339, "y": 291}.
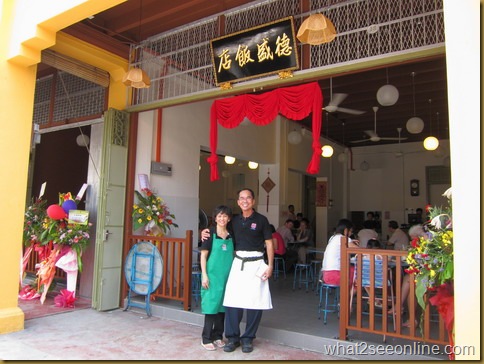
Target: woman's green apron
{"x": 218, "y": 268}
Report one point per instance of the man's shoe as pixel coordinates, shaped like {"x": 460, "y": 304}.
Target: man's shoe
{"x": 231, "y": 346}
{"x": 247, "y": 347}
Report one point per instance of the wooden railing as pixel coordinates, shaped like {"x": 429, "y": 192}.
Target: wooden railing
{"x": 376, "y": 321}
{"x": 176, "y": 281}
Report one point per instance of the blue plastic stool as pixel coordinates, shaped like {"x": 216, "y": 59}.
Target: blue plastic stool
{"x": 328, "y": 305}
{"x": 315, "y": 267}
{"x": 278, "y": 269}
{"x": 305, "y": 276}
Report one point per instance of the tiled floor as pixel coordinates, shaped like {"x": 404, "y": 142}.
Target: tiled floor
{"x": 295, "y": 311}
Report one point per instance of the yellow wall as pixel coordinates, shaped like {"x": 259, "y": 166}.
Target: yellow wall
{"x": 26, "y": 28}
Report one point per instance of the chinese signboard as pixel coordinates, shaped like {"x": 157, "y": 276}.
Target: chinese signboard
{"x": 263, "y": 50}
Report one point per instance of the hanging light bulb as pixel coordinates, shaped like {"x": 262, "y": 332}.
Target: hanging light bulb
{"x": 387, "y": 95}
{"x": 431, "y": 142}
{"x": 229, "y": 160}
{"x": 327, "y": 150}
{"x": 253, "y": 165}
{"x": 415, "y": 125}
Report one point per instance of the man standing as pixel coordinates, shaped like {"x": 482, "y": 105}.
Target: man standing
{"x": 248, "y": 286}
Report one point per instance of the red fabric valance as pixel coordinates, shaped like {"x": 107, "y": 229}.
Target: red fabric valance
{"x": 294, "y": 103}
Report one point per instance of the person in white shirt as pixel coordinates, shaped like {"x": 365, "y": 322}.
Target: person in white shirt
{"x": 332, "y": 255}
{"x": 286, "y": 232}
{"x": 368, "y": 232}
{"x": 399, "y": 238}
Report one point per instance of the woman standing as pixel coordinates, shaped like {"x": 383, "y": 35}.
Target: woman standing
{"x": 217, "y": 253}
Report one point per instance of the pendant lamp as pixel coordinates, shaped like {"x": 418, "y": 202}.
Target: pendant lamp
{"x": 316, "y": 29}
{"x": 387, "y": 95}
{"x": 136, "y": 77}
{"x": 327, "y": 150}
{"x": 294, "y": 137}
{"x": 431, "y": 142}
{"x": 414, "y": 125}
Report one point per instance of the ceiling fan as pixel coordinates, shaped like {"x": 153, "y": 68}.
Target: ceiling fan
{"x": 373, "y": 136}
{"x": 337, "y": 99}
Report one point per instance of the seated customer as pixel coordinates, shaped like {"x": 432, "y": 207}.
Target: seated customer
{"x": 399, "y": 239}
{"x": 286, "y": 232}
{"x": 279, "y": 246}
{"x": 368, "y": 232}
{"x": 332, "y": 255}
{"x": 304, "y": 239}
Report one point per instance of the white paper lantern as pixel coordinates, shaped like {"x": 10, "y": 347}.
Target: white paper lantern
{"x": 365, "y": 166}
{"x": 294, "y": 137}
{"x": 415, "y": 125}
{"x": 327, "y": 151}
{"x": 431, "y": 143}
{"x": 82, "y": 140}
{"x": 387, "y": 95}
{"x": 341, "y": 157}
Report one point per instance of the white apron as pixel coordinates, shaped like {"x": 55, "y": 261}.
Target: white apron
{"x": 244, "y": 289}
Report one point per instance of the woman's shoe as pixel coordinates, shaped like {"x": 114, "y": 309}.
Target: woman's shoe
{"x": 219, "y": 343}
{"x": 407, "y": 323}
{"x": 209, "y": 346}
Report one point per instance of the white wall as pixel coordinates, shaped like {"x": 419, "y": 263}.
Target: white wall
{"x": 185, "y": 129}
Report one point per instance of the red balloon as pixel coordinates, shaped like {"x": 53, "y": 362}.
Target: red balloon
{"x": 56, "y": 212}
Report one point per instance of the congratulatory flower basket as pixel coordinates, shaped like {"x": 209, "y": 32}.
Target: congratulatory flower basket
{"x": 59, "y": 234}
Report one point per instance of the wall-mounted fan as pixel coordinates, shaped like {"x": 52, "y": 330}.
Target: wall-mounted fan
{"x": 372, "y": 134}
{"x": 202, "y": 220}
{"x": 336, "y": 99}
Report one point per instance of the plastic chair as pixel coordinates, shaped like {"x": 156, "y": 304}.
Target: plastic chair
{"x": 305, "y": 276}
{"x": 325, "y": 304}
{"x": 278, "y": 269}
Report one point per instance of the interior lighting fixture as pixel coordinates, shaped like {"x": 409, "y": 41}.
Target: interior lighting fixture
{"x": 229, "y": 160}
{"x": 431, "y": 142}
{"x": 327, "y": 150}
{"x": 316, "y": 29}
{"x": 294, "y": 137}
{"x": 253, "y": 165}
{"x": 415, "y": 125}
{"x": 136, "y": 77}
{"x": 82, "y": 140}
{"x": 387, "y": 95}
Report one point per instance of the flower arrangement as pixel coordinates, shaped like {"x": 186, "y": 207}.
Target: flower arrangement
{"x": 152, "y": 213}
{"x": 431, "y": 260}
{"x": 57, "y": 241}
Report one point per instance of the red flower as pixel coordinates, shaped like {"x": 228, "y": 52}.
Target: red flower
{"x": 65, "y": 299}
{"x": 415, "y": 243}
{"x": 427, "y": 208}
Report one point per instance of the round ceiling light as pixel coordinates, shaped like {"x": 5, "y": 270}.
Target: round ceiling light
{"x": 431, "y": 143}
{"x": 387, "y": 95}
{"x": 327, "y": 151}
{"x": 253, "y": 165}
{"x": 415, "y": 125}
{"x": 229, "y": 160}
{"x": 294, "y": 137}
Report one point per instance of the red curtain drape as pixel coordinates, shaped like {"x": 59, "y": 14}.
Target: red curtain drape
{"x": 294, "y": 103}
